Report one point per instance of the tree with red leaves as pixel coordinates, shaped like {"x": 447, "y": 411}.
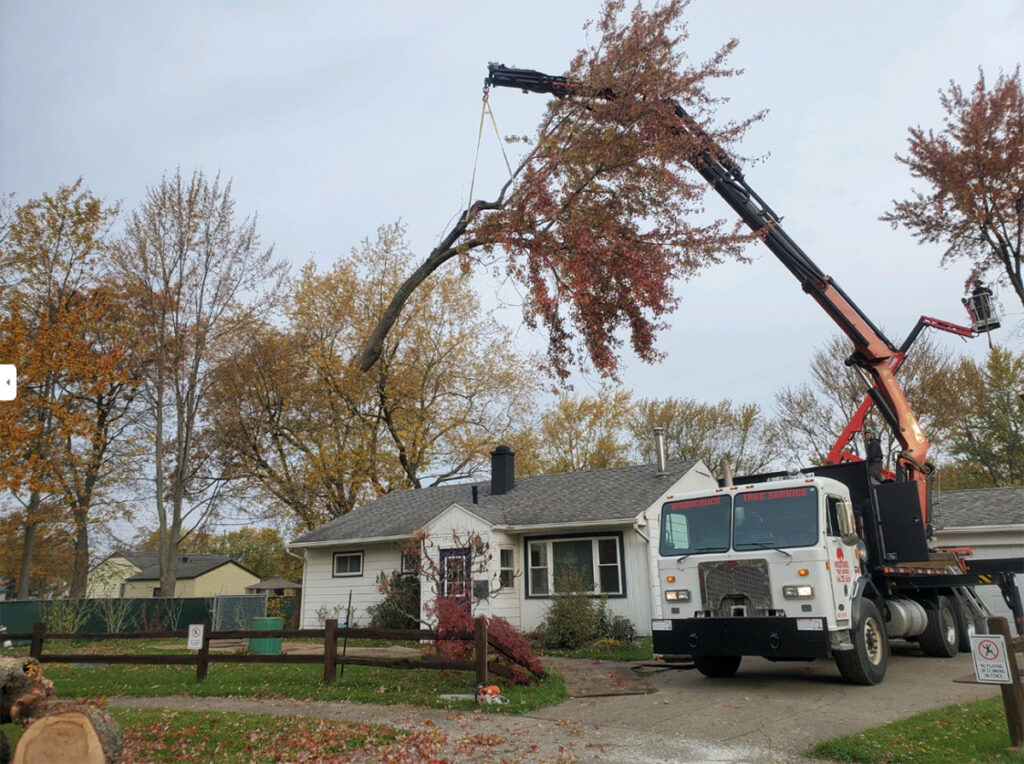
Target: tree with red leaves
{"x": 604, "y": 214}
{"x": 975, "y": 169}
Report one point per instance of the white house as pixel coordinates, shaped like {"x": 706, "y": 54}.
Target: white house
{"x": 600, "y": 521}
{"x": 988, "y": 520}
{"x": 535, "y": 527}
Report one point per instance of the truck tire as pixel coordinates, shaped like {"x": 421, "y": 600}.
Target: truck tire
{"x": 867, "y": 661}
{"x": 940, "y": 638}
{"x": 717, "y": 665}
{"x": 965, "y": 625}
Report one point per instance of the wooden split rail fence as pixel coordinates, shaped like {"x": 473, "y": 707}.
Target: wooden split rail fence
{"x": 331, "y": 658}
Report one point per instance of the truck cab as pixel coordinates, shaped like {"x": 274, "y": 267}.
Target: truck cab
{"x": 767, "y": 569}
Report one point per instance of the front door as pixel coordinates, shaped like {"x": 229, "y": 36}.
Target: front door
{"x": 456, "y": 575}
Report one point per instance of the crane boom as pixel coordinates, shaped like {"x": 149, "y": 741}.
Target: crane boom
{"x": 873, "y": 351}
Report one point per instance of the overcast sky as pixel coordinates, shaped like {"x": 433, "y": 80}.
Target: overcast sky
{"x": 332, "y": 118}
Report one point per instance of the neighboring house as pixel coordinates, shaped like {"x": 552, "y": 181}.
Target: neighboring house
{"x": 131, "y": 574}
{"x": 275, "y": 586}
{"x": 988, "y": 520}
{"x": 599, "y": 521}
{"x": 107, "y": 578}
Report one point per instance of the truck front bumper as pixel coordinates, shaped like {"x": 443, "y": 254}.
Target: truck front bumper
{"x": 770, "y": 637}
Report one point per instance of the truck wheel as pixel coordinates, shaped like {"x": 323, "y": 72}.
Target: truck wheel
{"x": 867, "y": 661}
{"x": 940, "y": 638}
{"x": 717, "y": 665}
{"x": 965, "y": 626}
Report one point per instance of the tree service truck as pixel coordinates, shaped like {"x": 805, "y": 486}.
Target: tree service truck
{"x": 825, "y": 561}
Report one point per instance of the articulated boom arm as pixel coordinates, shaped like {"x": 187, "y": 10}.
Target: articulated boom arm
{"x": 873, "y": 352}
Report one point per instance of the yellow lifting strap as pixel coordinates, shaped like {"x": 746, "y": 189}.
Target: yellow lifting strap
{"x": 486, "y": 111}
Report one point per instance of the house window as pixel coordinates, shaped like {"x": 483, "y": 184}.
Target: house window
{"x": 348, "y": 564}
{"x": 594, "y": 564}
{"x": 506, "y": 567}
{"x": 410, "y": 564}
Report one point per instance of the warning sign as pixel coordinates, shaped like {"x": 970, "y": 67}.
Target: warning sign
{"x": 991, "y": 664}
{"x": 195, "y": 637}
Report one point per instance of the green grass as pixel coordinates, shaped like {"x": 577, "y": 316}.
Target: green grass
{"x": 360, "y": 684}
{"x": 972, "y": 732}
{"x": 159, "y": 736}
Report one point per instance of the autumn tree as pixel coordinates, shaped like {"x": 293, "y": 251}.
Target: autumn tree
{"x": 604, "y": 214}
{"x": 974, "y": 172}
{"x": 737, "y": 433}
{"x": 49, "y": 571}
{"x": 811, "y": 416}
{"x": 60, "y": 330}
{"x": 197, "y": 276}
{"x": 988, "y": 442}
{"x": 293, "y": 414}
{"x": 578, "y": 433}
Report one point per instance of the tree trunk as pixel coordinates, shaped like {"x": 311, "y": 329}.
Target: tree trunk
{"x": 78, "y": 735}
{"x": 80, "y": 560}
{"x": 25, "y": 569}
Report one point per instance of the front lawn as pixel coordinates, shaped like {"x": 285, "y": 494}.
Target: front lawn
{"x": 360, "y": 684}
{"x": 639, "y": 649}
{"x": 174, "y": 736}
{"x": 971, "y": 732}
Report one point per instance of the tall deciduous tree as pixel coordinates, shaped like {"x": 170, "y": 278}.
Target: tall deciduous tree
{"x": 598, "y": 221}
{"x": 974, "y": 170}
{"x": 584, "y": 433}
{"x": 197, "y": 277}
{"x": 739, "y": 434}
{"x": 294, "y": 414}
{"x": 988, "y": 444}
{"x": 74, "y": 379}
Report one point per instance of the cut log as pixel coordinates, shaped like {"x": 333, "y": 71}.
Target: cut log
{"x": 22, "y": 688}
{"x": 85, "y": 735}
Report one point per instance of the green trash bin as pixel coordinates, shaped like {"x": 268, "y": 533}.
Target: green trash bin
{"x": 266, "y": 645}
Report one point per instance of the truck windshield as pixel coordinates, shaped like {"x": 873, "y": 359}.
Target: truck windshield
{"x": 695, "y": 526}
{"x": 785, "y": 517}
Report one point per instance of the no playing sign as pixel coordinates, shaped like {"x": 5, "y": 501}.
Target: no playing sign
{"x": 991, "y": 663}
{"x": 195, "y": 637}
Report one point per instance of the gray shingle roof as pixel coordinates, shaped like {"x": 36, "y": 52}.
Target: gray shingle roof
{"x": 189, "y": 566}
{"x": 568, "y": 497}
{"x": 979, "y": 506}
{"x": 141, "y": 560}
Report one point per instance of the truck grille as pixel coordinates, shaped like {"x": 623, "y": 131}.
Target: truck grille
{"x": 729, "y": 585}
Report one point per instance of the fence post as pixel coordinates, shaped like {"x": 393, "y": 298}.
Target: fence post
{"x": 330, "y": 649}
{"x": 480, "y": 650}
{"x": 38, "y": 634}
{"x": 203, "y": 656}
{"x": 1013, "y": 694}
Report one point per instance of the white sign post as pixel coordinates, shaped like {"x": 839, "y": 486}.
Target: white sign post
{"x": 195, "y": 636}
{"x": 991, "y": 661}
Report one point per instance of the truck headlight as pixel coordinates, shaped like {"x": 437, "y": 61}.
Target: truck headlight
{"x": 678, "y": 595}
{"x": 798, "y": 592}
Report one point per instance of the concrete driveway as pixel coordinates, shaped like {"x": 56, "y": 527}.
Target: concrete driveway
{"x": 768, "y": 712}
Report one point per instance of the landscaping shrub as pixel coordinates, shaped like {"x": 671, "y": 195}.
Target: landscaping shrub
{"x": 573, "y": 617}
{"x": 453, "y": 618}
{"x": 400, "y": 608}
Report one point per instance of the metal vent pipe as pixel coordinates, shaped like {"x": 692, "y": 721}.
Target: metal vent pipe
{"x": 659, "y": 450}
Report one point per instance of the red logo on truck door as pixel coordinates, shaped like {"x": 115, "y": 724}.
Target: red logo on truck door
{"x": 842, "y": 566}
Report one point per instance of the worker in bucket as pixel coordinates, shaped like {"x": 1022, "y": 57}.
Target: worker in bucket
{"x": 874, "y": 457}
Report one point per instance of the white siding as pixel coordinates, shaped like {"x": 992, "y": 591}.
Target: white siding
{"x": 507, "y": 602}
{"x": 989, "y": 543}
{"x": 452, "y": 529}
{"x": 321, "y": 590}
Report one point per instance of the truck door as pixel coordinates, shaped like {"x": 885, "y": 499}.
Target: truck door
{"x": 844, "y": 568}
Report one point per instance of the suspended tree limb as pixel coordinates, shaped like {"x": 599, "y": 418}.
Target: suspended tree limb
{"x": 442, "y": 253}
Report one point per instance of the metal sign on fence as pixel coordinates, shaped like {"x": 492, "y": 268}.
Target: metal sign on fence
{"x": 195, "y": 636}
{"x": 991, "y": 661}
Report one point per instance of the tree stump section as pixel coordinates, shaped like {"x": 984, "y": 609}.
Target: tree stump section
{"x": 84, "y": 736}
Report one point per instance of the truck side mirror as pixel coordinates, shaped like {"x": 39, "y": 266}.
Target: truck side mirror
{"x": 847, "y": 522}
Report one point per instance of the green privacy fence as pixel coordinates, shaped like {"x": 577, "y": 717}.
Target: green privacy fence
{"x": 122, "y": 615}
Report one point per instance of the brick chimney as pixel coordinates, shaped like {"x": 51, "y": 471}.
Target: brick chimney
{"x": 503, "y": 470}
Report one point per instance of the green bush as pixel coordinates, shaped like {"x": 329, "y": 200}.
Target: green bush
{"x": 400, "y": 608}
{"x": 573, "y": 617}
